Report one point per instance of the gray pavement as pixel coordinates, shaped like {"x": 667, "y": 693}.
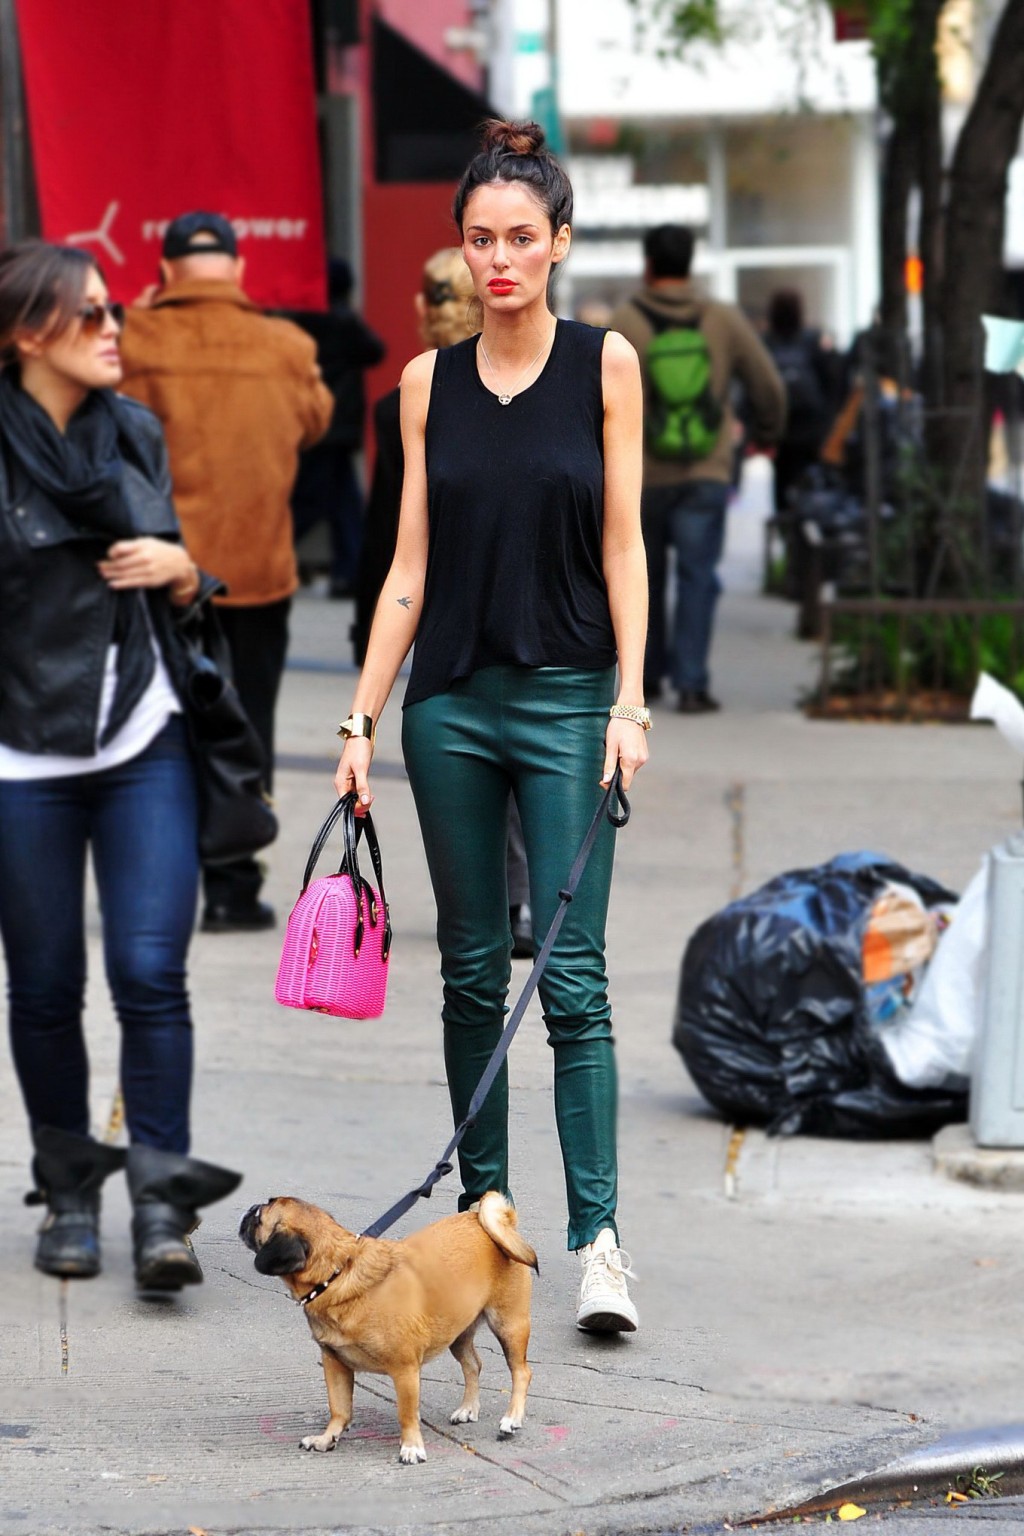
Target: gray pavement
{"x": 810, "y": 1310}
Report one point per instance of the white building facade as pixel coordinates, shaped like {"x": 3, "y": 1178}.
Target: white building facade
{"x": 767, "y": 146}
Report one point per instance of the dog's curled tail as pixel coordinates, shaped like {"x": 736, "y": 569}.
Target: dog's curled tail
{"x": 498, "y": 1219}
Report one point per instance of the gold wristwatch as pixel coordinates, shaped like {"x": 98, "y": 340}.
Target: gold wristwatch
{"x": 357, "y": 725}
{"x": 634, "y": 712}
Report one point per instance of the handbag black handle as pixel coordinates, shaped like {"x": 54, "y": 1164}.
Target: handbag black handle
{"x": 353, "y": 827}
{"x": 319, "y": 842}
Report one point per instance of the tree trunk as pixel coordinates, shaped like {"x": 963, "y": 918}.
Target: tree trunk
{"x": 929, "y": 240}
{"x": 897, "y": 180}
{"x": 909, "y": 88}
{"x": 972, "y": 261}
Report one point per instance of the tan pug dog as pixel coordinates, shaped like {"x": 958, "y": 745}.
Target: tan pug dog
{"x": 386, "y": 1307}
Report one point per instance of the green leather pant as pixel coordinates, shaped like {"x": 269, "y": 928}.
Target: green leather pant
{"x": 538, "y": 731}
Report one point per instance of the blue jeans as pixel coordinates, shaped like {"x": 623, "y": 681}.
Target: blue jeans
{"x": 690, "y": 518}
{"x": 141, "y": 821}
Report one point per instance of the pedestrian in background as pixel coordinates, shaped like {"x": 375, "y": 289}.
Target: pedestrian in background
{"x": 443, "y": 312}
{"x": 446, "y": 314}
{"x": 520, "y": 573}
{"x": 327, "y": 488}
{"x": 809, "y": 369}
{"x": 691, "y": 349}
{"x": 239, "y": 395}
{"x": 93, "y": 755}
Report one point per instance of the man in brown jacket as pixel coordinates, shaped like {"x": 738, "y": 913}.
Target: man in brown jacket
{"x": 239, "y": 395}
{"x": 685, "y": 498}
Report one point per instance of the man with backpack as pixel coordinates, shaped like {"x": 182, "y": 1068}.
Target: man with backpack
{"x": 691, "y": 350}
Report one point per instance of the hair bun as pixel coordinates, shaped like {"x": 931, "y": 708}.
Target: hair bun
{"x": 523, "y": 138}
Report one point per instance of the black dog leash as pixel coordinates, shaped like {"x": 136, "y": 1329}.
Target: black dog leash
{"x": 444, "y": 1165}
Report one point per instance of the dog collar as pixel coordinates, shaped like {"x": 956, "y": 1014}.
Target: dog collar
{"x": 318, "y": 1290}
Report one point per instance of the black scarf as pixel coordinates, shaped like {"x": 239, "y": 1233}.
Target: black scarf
{"x": 82, "y": 472}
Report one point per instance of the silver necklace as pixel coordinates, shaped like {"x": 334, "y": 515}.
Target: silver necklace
{"x": 504, "y": 397}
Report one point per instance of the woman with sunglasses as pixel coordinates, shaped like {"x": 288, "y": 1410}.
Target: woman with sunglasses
{"x": 93, "y": 754}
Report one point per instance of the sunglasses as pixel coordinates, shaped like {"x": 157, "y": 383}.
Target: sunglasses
{"x": 94, "y": 316}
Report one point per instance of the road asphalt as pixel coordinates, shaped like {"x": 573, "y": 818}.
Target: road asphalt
{"x": 810, "y": 1310}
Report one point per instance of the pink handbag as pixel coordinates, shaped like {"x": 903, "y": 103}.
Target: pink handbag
{"x": 338, "y": 939}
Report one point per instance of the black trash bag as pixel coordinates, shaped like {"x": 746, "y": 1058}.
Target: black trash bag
{"x": 772, "y": 1020}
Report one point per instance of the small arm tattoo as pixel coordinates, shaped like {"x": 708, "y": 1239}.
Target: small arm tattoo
{"x": 404, "y": 602}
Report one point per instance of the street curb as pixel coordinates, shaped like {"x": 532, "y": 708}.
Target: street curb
{"x": 930, "y": 1472}
{"x": 956, "y": 1155}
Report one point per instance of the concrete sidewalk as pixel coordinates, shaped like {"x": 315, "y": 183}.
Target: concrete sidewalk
{"x": 808, "y": 1312}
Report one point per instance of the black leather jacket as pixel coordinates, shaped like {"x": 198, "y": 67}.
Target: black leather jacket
{"x": 57, "y": 612}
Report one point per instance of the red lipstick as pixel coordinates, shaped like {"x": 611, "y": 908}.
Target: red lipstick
{"x": 501, "y": 285}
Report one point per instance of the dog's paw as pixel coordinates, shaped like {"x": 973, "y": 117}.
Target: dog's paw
{"x": 409, "y": 1455}
{"x": 465, "y": 1415}
{"x": 509, "y": 1427}
{"x": 324, "y": 1442}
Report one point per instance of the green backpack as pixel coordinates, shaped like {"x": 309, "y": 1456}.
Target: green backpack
{"x": 682, "y": 418}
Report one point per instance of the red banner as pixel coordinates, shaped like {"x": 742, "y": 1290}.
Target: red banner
{"x": 143, "y": 109}
{"x": 852, "y": 22}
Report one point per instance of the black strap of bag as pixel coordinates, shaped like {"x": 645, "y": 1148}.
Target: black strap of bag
{"x": 353, "y": 827}
{"x": 236, "y": 818}
{"x": 659, "y": 322}
{"x": 444, "y": 1165}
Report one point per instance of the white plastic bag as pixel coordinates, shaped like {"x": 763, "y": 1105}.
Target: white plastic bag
{"x": 931, "y": 1046}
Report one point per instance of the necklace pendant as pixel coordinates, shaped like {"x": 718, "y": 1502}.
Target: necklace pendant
{"x": 504, "y": 399}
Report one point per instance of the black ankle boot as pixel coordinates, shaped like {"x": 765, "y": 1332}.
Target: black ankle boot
{"x": 166, "y": 1189}
{"x": 68, "y": 1171}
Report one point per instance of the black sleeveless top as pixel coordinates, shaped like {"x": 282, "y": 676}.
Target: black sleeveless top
{"x": 515, "y": 506}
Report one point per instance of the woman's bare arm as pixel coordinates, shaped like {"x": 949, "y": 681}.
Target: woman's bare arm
{"x": 624, "y": 561}
{"x": 401, "y": 598}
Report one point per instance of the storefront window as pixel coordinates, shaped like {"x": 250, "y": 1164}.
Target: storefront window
{"x": 666, "y": 155}
{"x": 789, "y": 182}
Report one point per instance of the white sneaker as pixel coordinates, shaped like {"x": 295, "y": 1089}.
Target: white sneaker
{"x": 605, "y": 1306}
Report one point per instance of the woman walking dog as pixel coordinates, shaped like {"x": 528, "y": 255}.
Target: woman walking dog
{"x": 93, "y": 753}
{"x": 520, "y": 573}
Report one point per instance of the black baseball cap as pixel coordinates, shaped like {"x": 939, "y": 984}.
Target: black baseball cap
{"x": 193, "y": 234}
